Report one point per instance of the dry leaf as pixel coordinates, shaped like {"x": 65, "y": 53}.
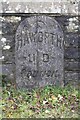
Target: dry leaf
{"x": 53, "y": 97}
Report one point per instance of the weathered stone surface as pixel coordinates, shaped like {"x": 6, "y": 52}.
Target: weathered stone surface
{"x": 8, "y": 27}
{"x": 72, "y": 40}
{"x": 41, "y": 6}
{"x": 9, "y": 38}
{"x": 7, "y": 69}
{"x": 39, "y": 52}
{"x": 71, "y": 65}
{"x": 72, "y": 53}
{"x": 72, "y": 77}
{"x": 8, "y": 56}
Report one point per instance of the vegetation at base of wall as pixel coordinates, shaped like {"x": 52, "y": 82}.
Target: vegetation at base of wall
{"x": 4, "y": 80}
{"x": 50, "y": 101}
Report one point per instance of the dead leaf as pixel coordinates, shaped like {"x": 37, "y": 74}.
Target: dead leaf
{"x": 53, "y": 97}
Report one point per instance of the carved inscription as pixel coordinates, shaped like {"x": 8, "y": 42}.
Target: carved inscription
{"x": 39, "y": 52}
{"x": 54, "y": 39}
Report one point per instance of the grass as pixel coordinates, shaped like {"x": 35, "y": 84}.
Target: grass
{"x": 47, "y": 102}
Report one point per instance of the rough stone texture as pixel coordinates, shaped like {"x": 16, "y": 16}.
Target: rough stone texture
{"x": 71, "y": 47}
{"x": 72, "y": 65}
{"x": 39, "y": 52}
{"x": 72, "y": 40}
{"x": 67, "y": 17}
{"x": 72, "y": 78}
{"x": 8, "y": 27}
{"x": 63, "y": 7}
{"x": 72, "y": 53}
{"x": 9, "y": 56}
{"x": 8, "y": 70}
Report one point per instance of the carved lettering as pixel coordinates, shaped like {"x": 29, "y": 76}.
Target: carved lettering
{"x": 35, "y": 73}
{"x": 45, "y": 57}
{"x": 40, "y": 37}
{"x": 31, "y": 57}
{"x": 48, "y": 73}
{"x": 19, "y": 44}
{"x": 32, "y": 37}
{"x": 52, "y": 38}
{"x": 39, "y": 51}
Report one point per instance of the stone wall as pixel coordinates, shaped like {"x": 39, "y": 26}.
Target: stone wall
{"x": 67, "y": 18}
